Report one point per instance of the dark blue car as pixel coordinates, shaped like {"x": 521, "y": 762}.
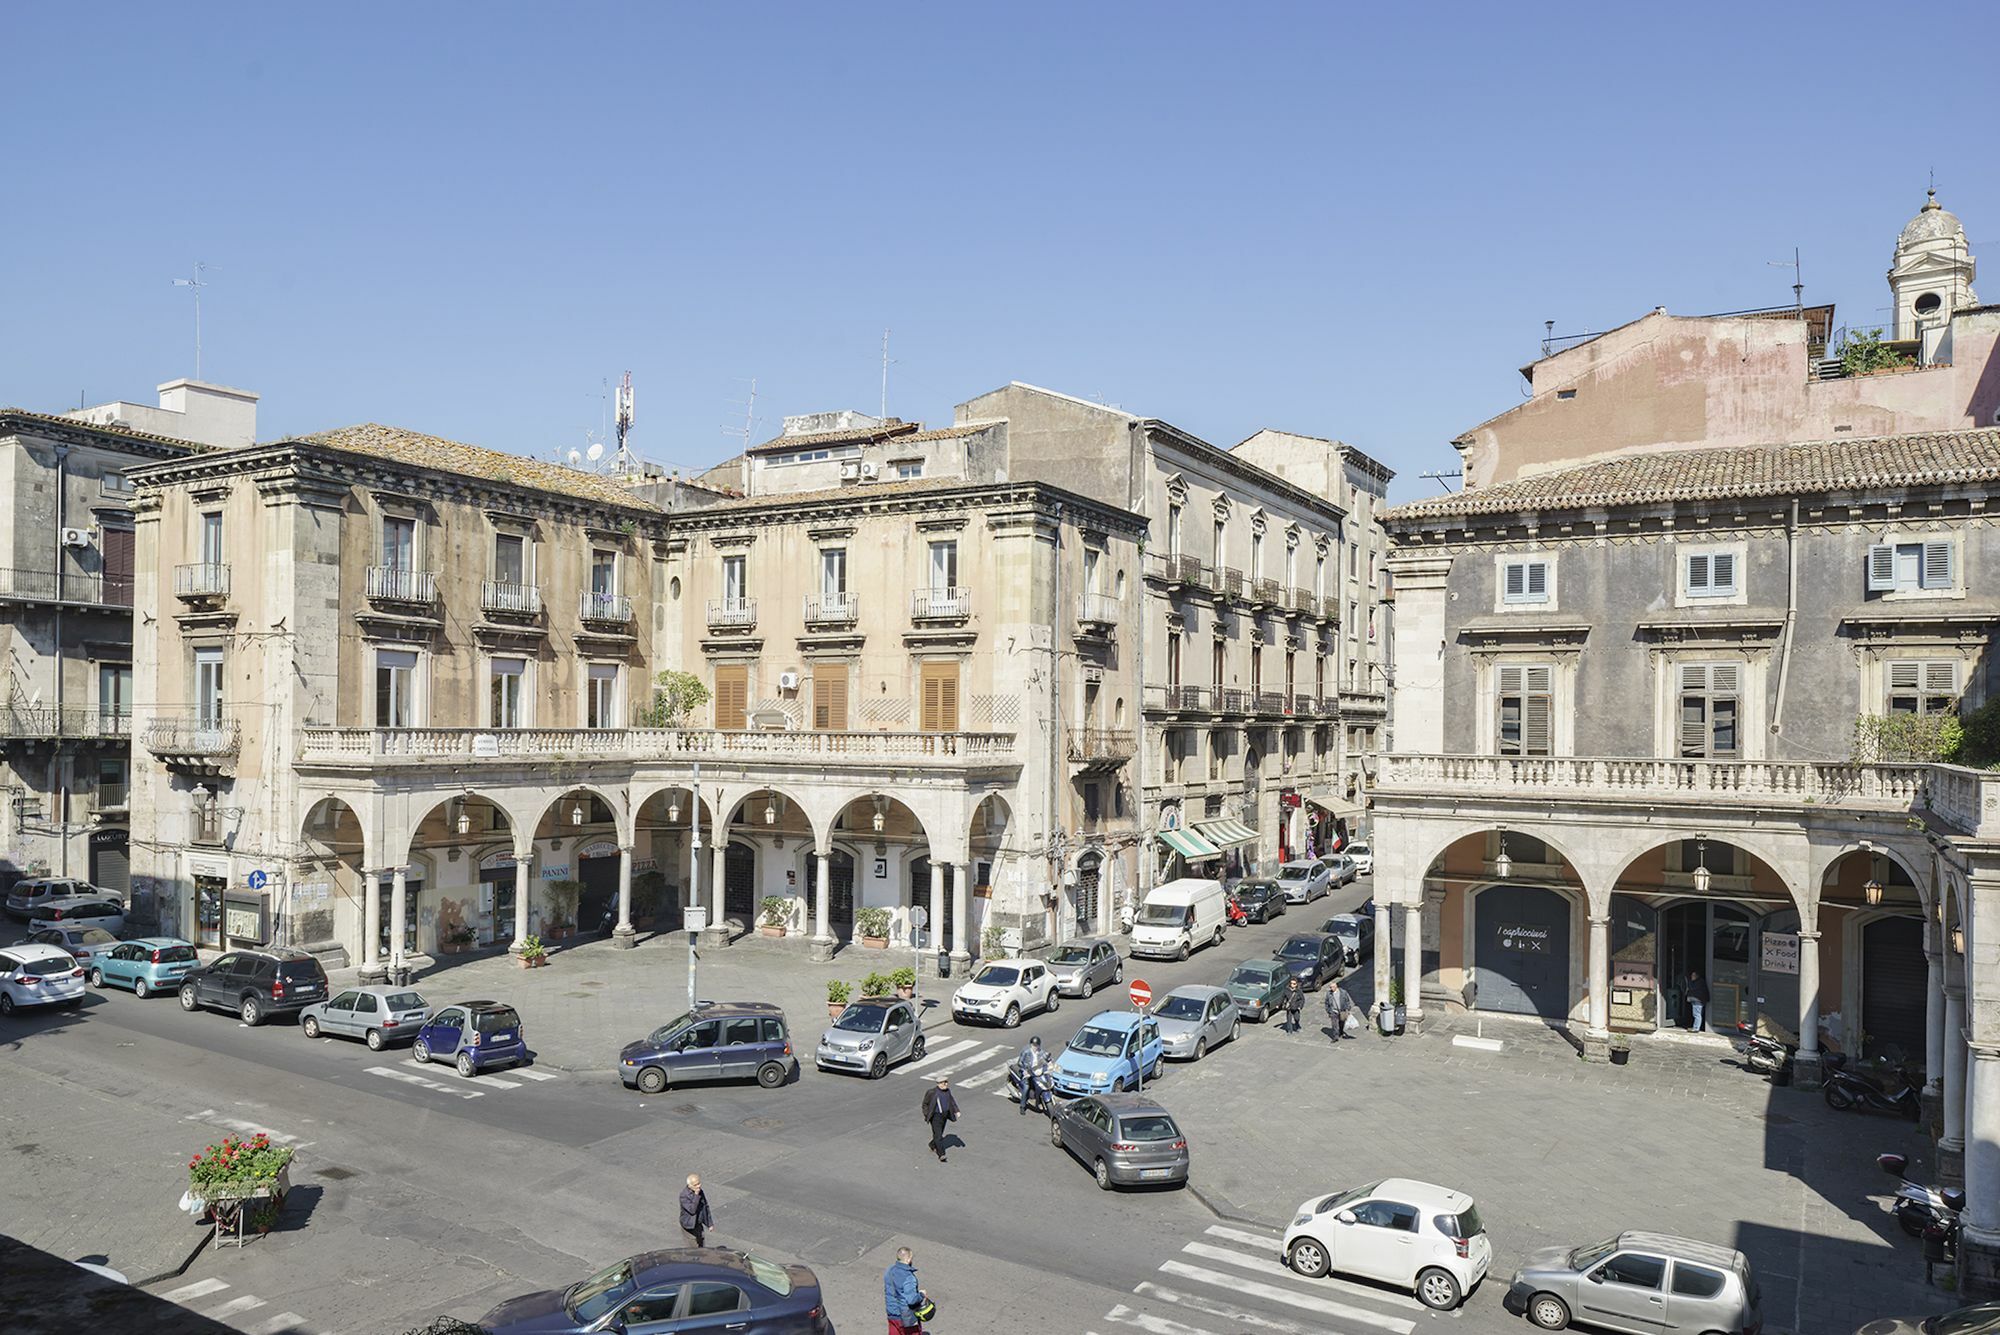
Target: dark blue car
{"x": 473, "y": 1036}
{"x": 718, "y": 1040}
{"x": 709, "y": 1289}
{"x": 1312, "y": 957}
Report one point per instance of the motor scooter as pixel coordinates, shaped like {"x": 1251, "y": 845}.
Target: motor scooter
{"x": 1918, "y": 1207}
{"x": 1845, "y": 1089}
{"x": 1238, "y": 915}
{"x": 1762, "y": 1054}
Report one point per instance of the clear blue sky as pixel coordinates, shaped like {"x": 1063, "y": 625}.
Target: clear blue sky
{"x": 1342, "y": 220}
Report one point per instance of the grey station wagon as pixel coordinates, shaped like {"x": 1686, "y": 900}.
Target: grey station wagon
{"x": 1639, "y": 1282}
{"x": 1126, "y": 1139}
{"x": 720, "y": 1040}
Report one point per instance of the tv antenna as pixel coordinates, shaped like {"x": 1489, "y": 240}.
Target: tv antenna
{"x": 624, "y": 460}
{"x": 887, "y": 362}
{"x": 1445, "y": 478}
{"x": 1798, "y": 277}
{"x": 750, "y": 418}
{"x": 196, "y": 283}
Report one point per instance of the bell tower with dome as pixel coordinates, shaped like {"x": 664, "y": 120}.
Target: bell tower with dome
{"x": 1931, "y": 275}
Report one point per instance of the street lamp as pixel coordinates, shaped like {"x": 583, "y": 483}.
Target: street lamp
{"x": 1503, "y": 866}
{"x": 1701, "y": 876}
{"x": 576, "y": 813}
{"x": 1872, "y": 889}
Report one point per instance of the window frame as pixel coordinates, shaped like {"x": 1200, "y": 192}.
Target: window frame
{"x": 1711, "y": 692}
{"x": 1925, "y": 687}
{"x": 1936, "y": 573}
{"x": 517, "y": 696}
{"x": 1527, "y": 594}
{"x": 1529, "y": 696}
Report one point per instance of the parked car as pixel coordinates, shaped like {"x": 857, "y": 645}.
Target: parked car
{"x": 1081, "y": 967}
{"x": 148, "y": 965}
{"x": 31, "y": 894}
{"x": 1303, "y": 882}
{"x": 377, "y": 1015}
{"x": 1180, "y": 917}
{"x": 709, "y": 1289}
{"x": 1257, "y": 986}
{"x": 1340, "y": 867}
{"x": 1126, "y": 1139}
{"x": 717, "y": 1040}
{"x": 1362, "y": 854}
{"x": 871, "y": 1035}
{"x": 256, "y": 983}
{"x": 1195, "y": 1018}
{"x": 79, "y": 911}
{"x": 1356, "y": 933}
{"x": 84, "y": 944}
{"x": 1262, "y": 900}
{"x": 38, "y": 975}
{"x": 1978, "y": 1319}
{"x": 1638, "y": 1282}
{"x": 473, "y": 1036}
{"x": 1107, "y": 1054}
{"x": 1411, "y": 1234}
{"x": 1005, "y": 990}
{"x": 1311, "y": 958}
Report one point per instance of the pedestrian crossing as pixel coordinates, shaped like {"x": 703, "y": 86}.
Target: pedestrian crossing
{"x": 214, "y": 1299}
{"x": 1233, "y": 1280}
{"x": 446, "y": 1081}
{"x": 969, "y": 1063}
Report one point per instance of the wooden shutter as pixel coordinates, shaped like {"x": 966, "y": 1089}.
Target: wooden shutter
{"x": 732, "y": 695}
{"x": 1905, "y": 676}
{"x": 1938, "y": 565}
{"x": 1722, "y": 573}
{"x": 1510, "y": 680}
{"x": 830, "y": 696}
{"x": 1940, "y": 676}
{"x": 940, "y": 697}
{"x": 1697, "y": 574}
{"x": 1722, "y": 678}
{"x": 1881, "y": 567}
{"x": 118, "y": 566}
{"x": 1538, "y": 581}
{"x": 1517, "y": 580}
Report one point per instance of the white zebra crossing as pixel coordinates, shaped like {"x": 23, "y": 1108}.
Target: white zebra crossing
{"x": 933, "y": 1055}
{"x": 192, "y": 1295}
{"x": 956, "y": 1058}
{"x": 446, "y": 1080}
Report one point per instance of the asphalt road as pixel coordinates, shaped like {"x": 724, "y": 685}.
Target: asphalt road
{"x": 425, "y": 1193}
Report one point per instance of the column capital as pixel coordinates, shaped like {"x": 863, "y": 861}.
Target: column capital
{"x": 1809, "y": 936}
{"x": 1600, "y": 920}
{"x": 1985, "y": 1052}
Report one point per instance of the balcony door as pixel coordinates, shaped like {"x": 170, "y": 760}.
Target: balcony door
{"x": 732, "y": 695}
{"x": 944, "y": 567}
{"x": 399, "y": 543}
{"x": 114, "y": 694}
{"x": 939, "y": 684}
{"x": 208, "y": 687}
{"x": 830, "y": 697}
{"x": 395, "y": 688}
{"x": 506, "y": 700}
{"x": 601, "y": 701}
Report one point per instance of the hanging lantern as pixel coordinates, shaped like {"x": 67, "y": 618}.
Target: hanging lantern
{"x": 1872, "y": 890}
{"x": 673, "y": 810}
{"x": 1701, "y": 876}
{"x": 771, "y": 812}
{"x": 463, "y": 820}
{"x": 576, "y": 814}
{"x": 881, "y": 815}
{"x": 1503, "y": 866}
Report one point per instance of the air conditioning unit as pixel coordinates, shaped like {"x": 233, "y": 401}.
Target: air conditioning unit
{"x": 76, "y": 537}
{"x": 850, "y": 472}
{"x": 869, "y": 470}
{"x": 788, "y": 681}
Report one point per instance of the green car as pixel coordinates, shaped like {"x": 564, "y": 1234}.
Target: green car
{"x": 1257, "y": 986}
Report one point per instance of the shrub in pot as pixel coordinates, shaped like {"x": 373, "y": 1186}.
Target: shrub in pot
{"x": 773, "y": 913}
{"x": 872, "y": 924}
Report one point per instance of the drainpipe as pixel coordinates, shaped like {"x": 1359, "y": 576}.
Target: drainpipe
{"x": 1791, "y": 615}
{"x": 57, "y": 788}
{"x": 1058, "y": 767}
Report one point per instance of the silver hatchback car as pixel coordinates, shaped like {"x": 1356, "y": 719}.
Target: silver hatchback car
{"x": 1638, "y": 1282}
{"x": 871, "y": 1035}
{"x": 378, "y": 1015}
{"x": 1126, "y": 1139}
{"x": 1194, "y": 1019}
{"x": 1081, "y": 967}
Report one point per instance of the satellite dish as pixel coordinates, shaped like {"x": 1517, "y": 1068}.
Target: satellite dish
{"x": 574, "y": 458}
{"x": 595, "y": 452}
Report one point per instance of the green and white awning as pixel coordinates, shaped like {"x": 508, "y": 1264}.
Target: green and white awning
{"x": 1226, "y": 834}
{"x": 1189, "y": 845}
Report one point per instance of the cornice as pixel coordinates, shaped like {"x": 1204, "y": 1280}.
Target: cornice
{"x": 850, "y": 506}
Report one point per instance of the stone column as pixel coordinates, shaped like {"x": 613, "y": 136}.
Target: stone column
{"x": 717, "y": 934}
{"x": 822, "y": 941}
{"x": 1385, "y": 956}
{"x": 1933, "y": 1096}
{"x": 937, "y": 904}
{"x": 1597, "y": 1031}
{"x": 1951, "y": 1145}
{"x": 522, "y": 864}
{"x": 371, "y": 926}
{"x": 961, "y": 913}
{"x": 622, "y": 934}
{"x": 1805, "y": 1063}
{"x": 1413, "y": 964}
{"x": 1979, "y": 1243}
{"x": 399, "y": 918}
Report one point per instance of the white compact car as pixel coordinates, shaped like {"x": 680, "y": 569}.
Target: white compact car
{"x": 1411, "y": 1234}
{"x": 1005, "y": 990}
{"x": 1362, "y": 854}
{"x": 32, "y": 974}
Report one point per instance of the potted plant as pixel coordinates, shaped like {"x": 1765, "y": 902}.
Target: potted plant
{"x": 1400, "y": 1013}
{"x": 533, "y": 953}
{"x": 837, "y": 992}
{"x": 649, "y": 891}
{"x": 1621, "y": 1049}
{"x": 240, "y": 1169}
{"x": 459, "y": 937}
{"x": 905, "y": 981}
{"x": 876, "y": 984}
{"x": 992, "y": 942}
{"x": 872, "y": 925}
{"x": 774, "y": 912}
{"x": 562, "y": 898}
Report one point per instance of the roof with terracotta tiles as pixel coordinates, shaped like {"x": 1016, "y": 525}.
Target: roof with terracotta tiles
{"x": 854, "y": 435}
{"x": 79, "y": 424}
{"x": 1926, "y": 459}
{"x": 418, "y": 450}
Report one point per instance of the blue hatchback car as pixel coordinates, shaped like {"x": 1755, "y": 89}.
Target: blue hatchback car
{"x": 1106, "y": 1054}
{"x": 473, "y": 1036}
{"x": 149, "y": 965}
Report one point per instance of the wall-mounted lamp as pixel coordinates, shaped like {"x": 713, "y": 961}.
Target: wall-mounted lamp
{"x": 1958, "y": 940}
{"x": 1503, "y": 866}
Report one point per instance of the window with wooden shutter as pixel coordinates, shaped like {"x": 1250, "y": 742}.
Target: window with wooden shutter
{"x": 1938, "y": 565}
{"x": 830, "y": 696}
{"x": 732, "y": 695}
{"x": 940, "y": 696}
{"x": 1525, "y": 710}
{"x": 1901, "y": 566}
{"x": 118, "y": 566}
{"x": 1525, "y": 582}
{"x": 1708, "y": 574}
{"x": 1710, "y": 710}
{"x": 1923, "y": 686}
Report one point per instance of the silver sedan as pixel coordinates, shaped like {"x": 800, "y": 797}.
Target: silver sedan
{"x": 379, "y": 1015}
{"x": 1194, "y": 1019}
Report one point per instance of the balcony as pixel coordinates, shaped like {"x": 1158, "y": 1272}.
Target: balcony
{"x": 833, "y": 609}
{"x": 1268, "y": 702}
{"x": 1096, "y": 614}
{"x": 732, "y": 613}
{"x": 46, "y": 722}
{"x": 194, "y": 742}
{"x": 395, "y": 584}
{"x": 940, "y": 604}
{"x": 202, "y": 581}
{"x": 1229, "y": 700}
{"x": 1228, "y": 582}
{"x": 453, "y": 748}
{"x": 609, "y": 609}
{"x": 66, "y": 586}
{"x": 1266, "y": 593}
{"x": 1301, "y": 705}
{"x": 500, "y": 597}
{"x": 1328, "y": 613}
{"x": 1176, "y": 570}
{"x": 1101, "y": 748}
{"x": 1301, "y": 603}
{"x": 1175, "y": 699}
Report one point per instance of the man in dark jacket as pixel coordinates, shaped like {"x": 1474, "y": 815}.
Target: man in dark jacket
{"x": 940, "y": 1109}
{"x": 695, "y": 1218}
{"x": 1293, "y": 1001}
{"x": 1697, "y": 996}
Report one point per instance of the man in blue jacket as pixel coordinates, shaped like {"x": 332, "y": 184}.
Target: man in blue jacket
{"x": 901, "y": 1294}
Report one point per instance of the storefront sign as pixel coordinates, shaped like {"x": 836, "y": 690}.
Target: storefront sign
{"x": 603, "y": 848}
{"x": 496, "y": 862}
{"x": 556, "y": 873}
{"x": 1781, "y": 952}
{"x": 246, "y": 918}
{"x": 1530, "y": 939}
{"x": 1633, "y": 975}
{"x": 645, "y": 864}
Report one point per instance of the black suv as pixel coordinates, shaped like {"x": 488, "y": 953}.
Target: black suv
{"x": 1260, "y": 901}
{"x": 256, "y": 983}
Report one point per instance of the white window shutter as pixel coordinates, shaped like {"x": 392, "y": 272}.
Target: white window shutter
{"x": 1537, "y": 679}
{"x": 1694, "y": 676}
{"x": 1517, "y": 579}
{"x": 1723, "y": 678}
{"x": 1940, "y": 677}
{"x": 1510, "y": 680}
{"x": 1538, "y": 579}
{"x": 1535, "y": 725}
{"x": 1722, "y": 573}
{"x": 1881, "y": 567}
{"x": 1938, "y": 563}
{"x": 1904, "y": 676}
{"x": 1697, "y": 574}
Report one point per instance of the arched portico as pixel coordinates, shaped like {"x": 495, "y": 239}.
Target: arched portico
{"x": 330, "y": 891}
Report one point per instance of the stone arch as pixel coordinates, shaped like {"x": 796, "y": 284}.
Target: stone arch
{"x": 337, "y": 849}
{"x": 323, "y": 818}
{"x": 1538, "y": 833}
{"x": 1576, "y": 897}
{"x": 458, "y": 817}
{"x": 621, "y": 819}
{"x": 1803, "y": 898}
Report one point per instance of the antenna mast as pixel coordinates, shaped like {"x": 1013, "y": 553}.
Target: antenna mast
{"x": 742, "y": 433}
{"x": 197, "y": 284}
{"x": 1798, "y": 278}
{"x": 887, "y": 361}
{"x": 624, "y": 461}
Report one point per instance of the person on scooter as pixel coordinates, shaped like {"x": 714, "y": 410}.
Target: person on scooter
{"x": 1033, "y": 1065}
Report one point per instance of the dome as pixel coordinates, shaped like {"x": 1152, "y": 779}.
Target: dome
{"x": 1932, "y": 223}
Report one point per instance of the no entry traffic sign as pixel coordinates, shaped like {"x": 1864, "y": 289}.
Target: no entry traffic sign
{"x": 1142, "y": 996}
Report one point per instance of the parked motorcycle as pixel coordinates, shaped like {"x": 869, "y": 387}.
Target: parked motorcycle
{"x": 1919, "y": 1208}
{"x": 1238, "y": 915}
{"x": 1845, "y": 1089}
{"x": 1767, "y": 1056}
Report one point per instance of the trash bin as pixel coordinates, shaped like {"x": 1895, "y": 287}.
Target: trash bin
{"x": 944, "y": 964}
{"x": 1385, "y": 1018}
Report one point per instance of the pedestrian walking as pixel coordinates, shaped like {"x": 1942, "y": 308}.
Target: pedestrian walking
{"x": 1339, "y": 1005}
{"x": 1697, "y": 998}
{"x": 901, "y": 1295}
{"x": 696, "y": 1219}
{"x": 1293, "y": 1001}
{"x": 940, "y": 1110}
{"x": 1033, "y": 1065}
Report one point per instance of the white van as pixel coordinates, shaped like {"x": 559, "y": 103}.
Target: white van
{"x": 1179, "y": 917}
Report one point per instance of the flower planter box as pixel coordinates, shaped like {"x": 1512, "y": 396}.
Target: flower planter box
{"x": 834, "y": 1008}
{"x": 906, "y": 992}
{"x": 771, "y": 931}
{"x": 875, "y": 942}
{"x": 532, "y": 961}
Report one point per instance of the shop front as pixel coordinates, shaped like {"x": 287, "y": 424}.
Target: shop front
{"x": 1521, "y": 950}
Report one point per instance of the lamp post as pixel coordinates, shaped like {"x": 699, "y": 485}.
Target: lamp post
{"x": 918, "y": 917}
{"x": 691, "y": 913}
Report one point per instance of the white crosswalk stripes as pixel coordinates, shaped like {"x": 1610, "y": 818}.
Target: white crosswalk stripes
{"x": 201, "y": 1288}
{"x": 195, "y": 1298}
{"x": 1231, "y": 1280}
{"x": 441, "y": 1079}
{"x": 971, "y": 1063}
{"x": 935, "y": 1053}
